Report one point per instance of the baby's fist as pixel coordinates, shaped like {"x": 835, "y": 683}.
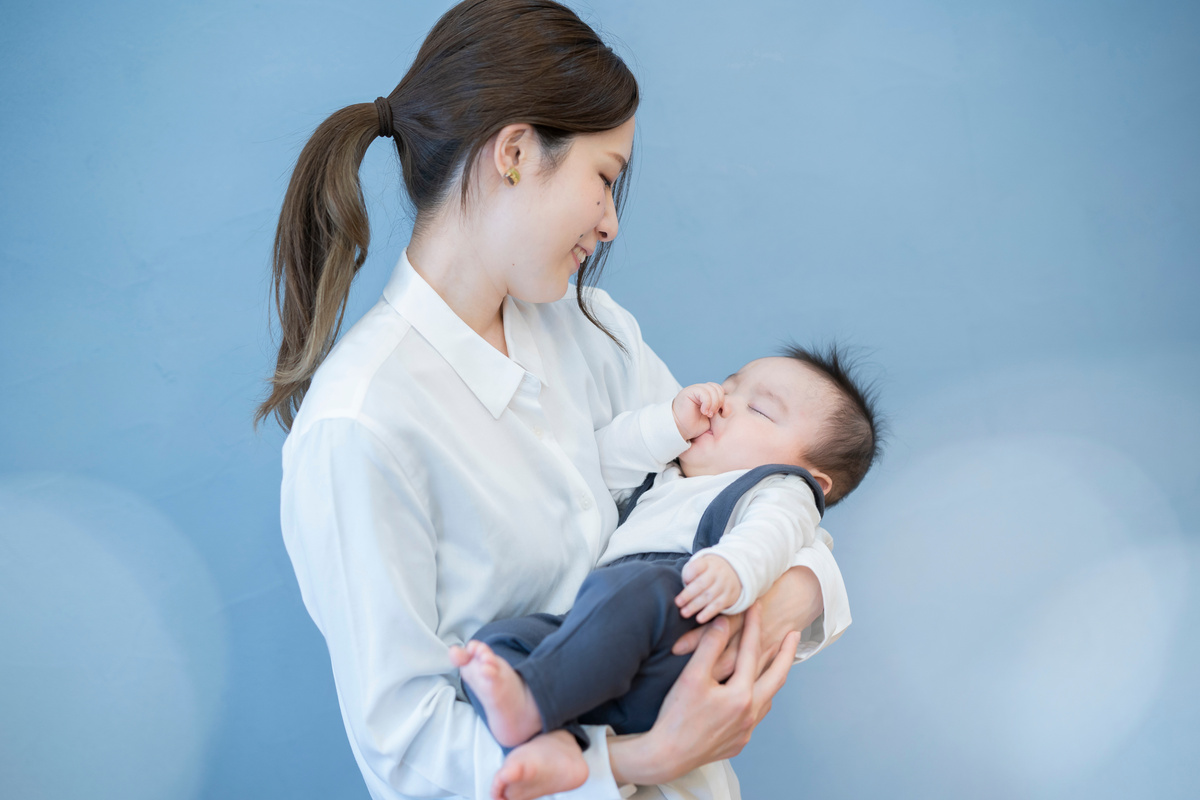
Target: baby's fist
{"x": 712, "y": 586}
{"x": 695, "y": 406}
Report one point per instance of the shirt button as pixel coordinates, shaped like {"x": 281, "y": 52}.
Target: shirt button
{"x": 585, "y": 500}
{"x": 538, "y": 432}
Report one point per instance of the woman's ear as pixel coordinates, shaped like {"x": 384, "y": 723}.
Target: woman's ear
{"x": 514, "y": 148}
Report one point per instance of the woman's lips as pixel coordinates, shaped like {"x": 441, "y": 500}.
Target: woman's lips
{"x": 579, "y": 254}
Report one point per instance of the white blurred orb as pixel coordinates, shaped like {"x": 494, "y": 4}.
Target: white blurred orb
{"x": 1035, "y": 585}
{"x": 113, "y": 645}
{"x": 1094, "y": 660}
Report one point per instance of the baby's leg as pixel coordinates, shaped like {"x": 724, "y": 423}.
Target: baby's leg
{"x": 624, "y": 616}
{"x": 512, "y": 714}
{"x": 544, "y": 765}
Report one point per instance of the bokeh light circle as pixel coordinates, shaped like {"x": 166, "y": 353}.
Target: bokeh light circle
{"x": 114, "y": 646}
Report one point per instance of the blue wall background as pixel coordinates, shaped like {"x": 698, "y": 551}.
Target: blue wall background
{"x": 997, "y": 201}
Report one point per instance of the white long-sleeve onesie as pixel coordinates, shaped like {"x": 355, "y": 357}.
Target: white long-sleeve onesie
{"x": 767, "y": 532}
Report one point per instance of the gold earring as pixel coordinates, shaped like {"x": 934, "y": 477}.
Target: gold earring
{"x": 512, "y": 177}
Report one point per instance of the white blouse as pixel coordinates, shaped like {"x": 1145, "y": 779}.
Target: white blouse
{"x": 432, "y": 484}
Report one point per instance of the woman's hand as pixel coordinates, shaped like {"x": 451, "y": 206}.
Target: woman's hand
{"x": 791, "y": 604}
{"x": 703, "y": 720}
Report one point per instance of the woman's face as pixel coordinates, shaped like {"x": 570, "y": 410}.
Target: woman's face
{"x": 554, "y": 217}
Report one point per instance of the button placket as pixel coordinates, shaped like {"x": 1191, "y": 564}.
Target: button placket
{"x": 528, "y": 407}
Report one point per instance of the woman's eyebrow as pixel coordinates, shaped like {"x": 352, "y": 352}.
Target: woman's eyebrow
{"x": 624, "y": 161}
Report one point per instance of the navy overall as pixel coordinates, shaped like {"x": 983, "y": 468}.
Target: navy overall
{"x": 608, "y": 660}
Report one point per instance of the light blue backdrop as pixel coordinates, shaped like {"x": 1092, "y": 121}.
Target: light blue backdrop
{"x": 998, "y": 201}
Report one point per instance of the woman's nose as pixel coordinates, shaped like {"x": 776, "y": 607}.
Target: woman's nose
{"x": 607, "y": 228}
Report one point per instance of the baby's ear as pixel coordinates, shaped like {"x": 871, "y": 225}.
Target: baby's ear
{"x": 823, "y": 480}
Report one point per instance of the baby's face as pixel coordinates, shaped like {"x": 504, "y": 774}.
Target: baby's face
{"x": 772, "y": 414}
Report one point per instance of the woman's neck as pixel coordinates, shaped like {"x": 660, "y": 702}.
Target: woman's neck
{"x": 458, "y": 275}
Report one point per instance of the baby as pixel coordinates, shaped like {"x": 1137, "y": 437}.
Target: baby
{"x": 768, "y": 449}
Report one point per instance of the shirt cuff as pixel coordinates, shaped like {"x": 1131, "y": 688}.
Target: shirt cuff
{"x": 833, "y": 622}
{"x": 661, "y": 433}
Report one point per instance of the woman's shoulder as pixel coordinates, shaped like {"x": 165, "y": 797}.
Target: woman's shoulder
{"x": 343, "y": 384}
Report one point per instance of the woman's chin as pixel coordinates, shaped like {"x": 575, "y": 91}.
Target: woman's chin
{"x": 546, "y": 293}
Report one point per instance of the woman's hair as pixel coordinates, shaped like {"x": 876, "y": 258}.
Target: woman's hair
{"x": 484, "y": 65}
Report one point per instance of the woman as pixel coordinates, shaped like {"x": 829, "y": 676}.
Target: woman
{"x": 441, "y": 471}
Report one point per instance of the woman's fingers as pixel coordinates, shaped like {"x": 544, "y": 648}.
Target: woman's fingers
{"x": 689, "y": 641}
{"x": 745, "y": 669}
{"x": 725, "y": 664}
{"x": 705, "y": 721}
{"x": 712, "y": 642}
{"x": 775, "y": 676}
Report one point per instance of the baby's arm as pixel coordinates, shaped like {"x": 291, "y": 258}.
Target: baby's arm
{"x": 638, "y": 442}
{"x": 778, "y": 519}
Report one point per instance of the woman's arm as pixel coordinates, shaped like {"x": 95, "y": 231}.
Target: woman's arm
{"x": 365, "y": 554}
{"x": 702, "y": 720}
{"x": 364, "y": 551}
{"x": 796, "y": 602}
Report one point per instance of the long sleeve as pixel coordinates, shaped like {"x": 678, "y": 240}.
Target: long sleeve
{"x": 365, "y": 551}
{"x": 779, "y": 519}
{"x": 834, "y": 620}
{"x": 636, "y": 443}
{"x": 632, "y": 379}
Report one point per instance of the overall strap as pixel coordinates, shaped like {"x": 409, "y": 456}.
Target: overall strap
{"x": 716, "y": 516}
{"x": 637, "y": 495}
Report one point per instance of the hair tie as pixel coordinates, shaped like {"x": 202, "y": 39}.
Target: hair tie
{"x": 384, "y": 110}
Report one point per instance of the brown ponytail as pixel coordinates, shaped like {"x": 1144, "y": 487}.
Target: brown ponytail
{"x": 320, "y": 243}
{"x": 484, "y": 65}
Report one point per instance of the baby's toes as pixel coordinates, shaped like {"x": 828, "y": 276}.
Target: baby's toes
{"x": 458, "y": 656}
{"x": 489, "y": 669}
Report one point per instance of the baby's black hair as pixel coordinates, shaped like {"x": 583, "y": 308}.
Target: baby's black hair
{"x": 852, "y": 437}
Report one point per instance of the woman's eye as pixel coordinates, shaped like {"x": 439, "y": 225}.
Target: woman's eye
{"x": 607, "y": 183}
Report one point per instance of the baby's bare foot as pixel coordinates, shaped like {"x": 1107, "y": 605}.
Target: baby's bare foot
{"x": 512, "y": 714}
{"x": 544, "y": 765}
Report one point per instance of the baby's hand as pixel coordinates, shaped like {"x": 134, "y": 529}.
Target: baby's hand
{"x": 694, "y": 406}
{"x": 712, "y": 586}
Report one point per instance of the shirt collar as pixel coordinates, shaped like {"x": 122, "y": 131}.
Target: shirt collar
{"x": 518, "y": 338}
{"x": 487, "y": 372}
